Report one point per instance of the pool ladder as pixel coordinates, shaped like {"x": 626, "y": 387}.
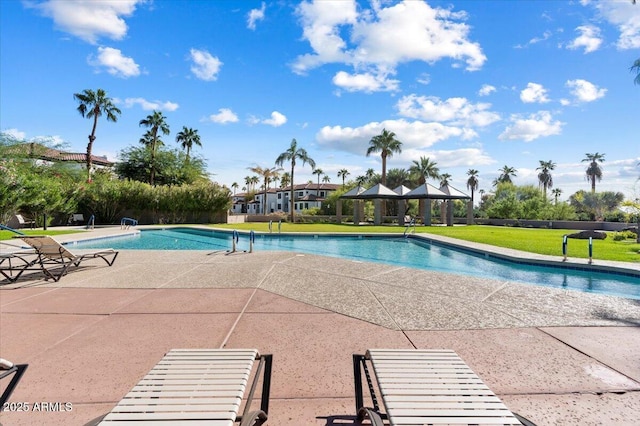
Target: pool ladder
{"x": 408, "y": 227}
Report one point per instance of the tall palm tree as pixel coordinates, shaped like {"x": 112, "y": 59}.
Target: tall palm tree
{"x": 343, "y": 173}
{"x": 254, "y": 181}
{"x": 318, "y": 172}
{"x": 94, "y": 105}
{"x": 247, "y": 182}
{"x": 506, "y": 173}
{"x": 386, "y": 144}
{"x": 594, "y": 172}
{"x": 326, "y": 179}
{"x": 425, "y": 169}
{"x": 472, "y": 182}
{"x": 544, "y": 177}
{"x": 155, "y": 122}
{"x": 361, "y": 180}
{"x": 292, "y": 154}
{"x": 234, "y": 185}
{"x": 556, "y": 193}
{"x": 370, "y": 173}
{"x": 267, "y": 175}
{"x": 187, "y": 137}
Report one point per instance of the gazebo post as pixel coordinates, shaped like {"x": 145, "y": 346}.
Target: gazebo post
{"x": 377, "y": 211}
{"x": 339, "y": 211}
{"x": 450, "y": 212}
{"x": 401, "y": 211}
{"x": 427, "y": 212}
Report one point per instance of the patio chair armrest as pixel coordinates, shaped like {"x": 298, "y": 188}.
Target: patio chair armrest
{"x": 254, "y": 418}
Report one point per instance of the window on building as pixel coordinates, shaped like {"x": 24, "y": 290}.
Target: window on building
{"x": 279, "y": 195}
{"x": 279, "y": 206}
{"x": 322, "y": 193}
{"x": 300, "y": 193}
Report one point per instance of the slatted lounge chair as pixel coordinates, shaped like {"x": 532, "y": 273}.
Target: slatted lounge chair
{"x": 13, "y": 265}
{"x": 55, "y": 259}
{"x": 197, "y": 387}
{"x": 8, "y": 368}
{"x": 426, "y": 387}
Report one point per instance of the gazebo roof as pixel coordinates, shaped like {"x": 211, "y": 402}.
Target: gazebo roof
{"x": 426, "y": 191}
{"x": 353, "y": 193}
{"x": 402, "y": 190}
{"x": 377, "y": 192}
{"x": 452, "y": 192}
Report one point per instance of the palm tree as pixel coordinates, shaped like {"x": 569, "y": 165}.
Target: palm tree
{"x": 317, "y": 172}
{"x": 188, "y": 137}
{"x": 343, "y": 173}
{"x": 386, "y": 144}
{"x": 425, "y": 169}
{"x": 254, "y": 181}
{"x": 285, "y": 180}
{"x": 506, "y": 173}
{"x": 247, "y": 182}
{"x": 326, "y": 179}
{"x": 370, "y": 173}
{"x": 267, "y": 176}
{"x": 472, "y": 182}
{"x": 556, "y": 193}
{"x": 544, "y": 177}
{"x": 594, "y": 172}
{"x": 234, "y": 185}
{"x": 361, "y": 180}
{"x": 93, "y": 105}
{"x": 292, "y": 154}
{"x": 156, "y": 121}
{"x": 444, "y": 179}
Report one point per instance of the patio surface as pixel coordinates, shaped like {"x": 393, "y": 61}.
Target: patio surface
{"x": 558, "y": 357}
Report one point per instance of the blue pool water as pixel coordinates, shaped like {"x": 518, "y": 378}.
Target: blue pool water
{"x": 409, "y": 252}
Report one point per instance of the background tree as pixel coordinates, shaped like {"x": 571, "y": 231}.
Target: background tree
{"x": 318, "y": 172}
{"x": 170, "y": 165}
{"x": 472, "y": 182}
{"x": 343, "y": 173}
{"x": 187, "y": 138}
{"x": 291, "y": 155}
{"x": 544, "y": 177}
{"x": 506, "y": 173}
{"x": 425, "y": 169}
{"x": 234, "y": 186}
{"x": 326, "y": 179}
{"x": 556, "y": 193}
{"x": 155, "y": 122}
{"x": 285, "y": 180}
{"x": 386, "y": 144}
{"x": 92, "y": 106}
{"x": 594, "y": 172}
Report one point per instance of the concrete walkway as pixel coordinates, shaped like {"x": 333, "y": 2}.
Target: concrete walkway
{"x": 558, "y": 357}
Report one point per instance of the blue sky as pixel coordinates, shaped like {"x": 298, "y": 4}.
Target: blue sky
{"x": 470, "y": 84}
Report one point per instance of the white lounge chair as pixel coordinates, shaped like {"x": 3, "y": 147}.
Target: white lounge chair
{"x": 55, "y": 259}
{"x": 23, "y": 221}
{"x": 426, "y": 387}
{"x": 197, "y": 387}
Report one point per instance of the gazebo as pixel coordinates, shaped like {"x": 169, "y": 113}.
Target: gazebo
{"x": 380, "y": 192}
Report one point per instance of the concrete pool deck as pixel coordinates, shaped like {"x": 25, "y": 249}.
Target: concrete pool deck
{"x": 555, "y": 356}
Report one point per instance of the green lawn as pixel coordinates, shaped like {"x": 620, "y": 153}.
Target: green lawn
{"x": 542, "y": 241}
{"x": 7, "y": 235}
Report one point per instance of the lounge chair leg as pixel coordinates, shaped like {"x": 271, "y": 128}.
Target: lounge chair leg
{"x": 371, "y": 414}
{"x": 254, "y": 418}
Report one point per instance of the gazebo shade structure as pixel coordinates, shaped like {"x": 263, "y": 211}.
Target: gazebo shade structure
{"x": 402, "y": 191}
{"x": 378, "y": 192}
{"x": 426, "y": 191}
{"x": 452, "y": 193}
{"x": 353, "y": 193}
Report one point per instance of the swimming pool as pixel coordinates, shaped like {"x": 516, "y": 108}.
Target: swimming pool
{"x": 408, "y": 252}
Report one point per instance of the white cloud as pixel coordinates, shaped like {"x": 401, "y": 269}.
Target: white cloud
{"x": 589, "y": 39}
{"x": 455, "y": 111}
{"x": 463, "y": 157}
{"x": 255, "y": 15}
{"x": 114, "y": 62}
{"x": 205, "y": 66}
{"x": 533, "y": 127}
{"x": 585, "y": 91}
{"x": 366, "y": 82}
{"x": 545, "y": 36}
{"x": 412, "y": 134}
{"x": 277, "y": 119}
{"x": 382, "y": 38}
{"x": 534, "y": 93}
{"x": 626, "y": 17}
{"x": 424, "y": 78}
{"x": 224, "y": 115}
{"x": 149, "y": 105}
{"x": 89, "y": 20}
{"x": 486, "y": 90}
{"x": 15, "y": 134}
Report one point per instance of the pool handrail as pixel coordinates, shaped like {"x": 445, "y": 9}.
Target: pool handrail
{"x": 8, "y": 228}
